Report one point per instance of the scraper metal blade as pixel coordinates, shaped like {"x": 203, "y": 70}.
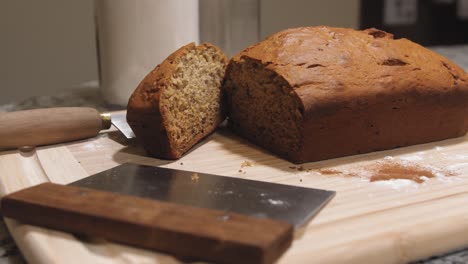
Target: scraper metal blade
{"x": 292, "y": 204}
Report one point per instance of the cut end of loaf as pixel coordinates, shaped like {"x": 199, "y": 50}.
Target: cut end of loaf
{"x": 263, "y": 109}
{"x": 179, "y": 102}
{"x": 191, "y": 103}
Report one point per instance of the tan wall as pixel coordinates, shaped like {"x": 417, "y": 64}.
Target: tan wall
{"x": 48, "y": 45}
{"x": 45, "y": 46}
{"x": 281, "y": 14}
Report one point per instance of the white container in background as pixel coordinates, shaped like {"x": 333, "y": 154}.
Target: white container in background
{"x": 136, "y": 35}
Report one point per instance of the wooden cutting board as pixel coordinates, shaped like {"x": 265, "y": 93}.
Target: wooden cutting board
{"x": 390, "y": 221}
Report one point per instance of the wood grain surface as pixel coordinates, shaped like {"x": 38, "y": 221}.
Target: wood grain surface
{"x": 390, "y": 221}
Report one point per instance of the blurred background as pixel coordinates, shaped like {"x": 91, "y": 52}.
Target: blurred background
{"x": 50, "y": 45}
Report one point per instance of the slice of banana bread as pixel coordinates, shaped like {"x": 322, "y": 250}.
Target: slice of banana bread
{"x": 179, "y": 102}
{"x": 316, "y": 93}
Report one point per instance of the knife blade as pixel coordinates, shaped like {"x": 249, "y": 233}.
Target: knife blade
{"x": 189, "y": 214}
{"x": 56, "y": 125}
{"x": 119, "y": 121}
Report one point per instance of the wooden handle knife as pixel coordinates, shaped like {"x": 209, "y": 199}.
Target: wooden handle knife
{"x": 50, "y": 125}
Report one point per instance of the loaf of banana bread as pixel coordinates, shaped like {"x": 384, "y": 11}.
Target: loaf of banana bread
{"x": 316, "y": 93}
{"x": 179, "y": 102}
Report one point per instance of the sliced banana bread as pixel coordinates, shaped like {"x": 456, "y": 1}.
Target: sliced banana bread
{"x": 179, "y": 102}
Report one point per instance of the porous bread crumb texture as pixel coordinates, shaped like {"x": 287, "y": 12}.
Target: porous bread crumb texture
{"x": 264, "y": 108}
{"x": 191, "y": 102}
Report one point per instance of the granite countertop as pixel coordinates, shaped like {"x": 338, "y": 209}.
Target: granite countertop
{"x": 88, "y": 94}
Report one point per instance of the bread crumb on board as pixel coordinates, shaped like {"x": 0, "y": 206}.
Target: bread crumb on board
{"x": 246, "y": 164}
{"x": 329, "y": 171}
{"x": 299, "y": 168}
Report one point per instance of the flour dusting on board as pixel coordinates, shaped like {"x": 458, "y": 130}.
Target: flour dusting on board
{"x": 94, "y": 144}
{"x": 408, "y": 171}
{"x": 398, "y": 184}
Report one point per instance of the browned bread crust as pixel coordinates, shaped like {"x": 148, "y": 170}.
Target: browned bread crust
{"x": 316, "y": 93}
{"x": 150, "y": 119}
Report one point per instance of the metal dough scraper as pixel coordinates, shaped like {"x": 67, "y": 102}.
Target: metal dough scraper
{"x": 188, "y": 214}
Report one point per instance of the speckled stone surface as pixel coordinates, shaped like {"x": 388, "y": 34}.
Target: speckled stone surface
{"x": 88, "y": 94}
